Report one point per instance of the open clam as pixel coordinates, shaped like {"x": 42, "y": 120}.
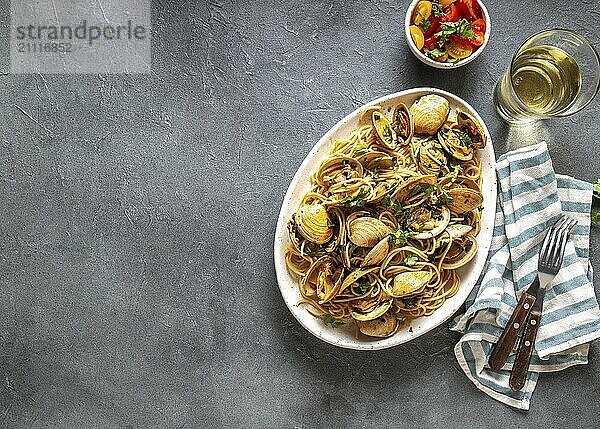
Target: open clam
{"x": 469, "y": 125}
{"x": 460, "y": 182}
{"x": 428, "y": 224}
{"x": 329, "y": 280}
{"x": 410, "y": 282}
{"x": 461, "y": 253}
{"x": 309, "y": 281}
{"x": 383, "y": 129}
{"x": 367, "y": 231}
{"x": 456, "y": 143}
{"x": 314, "y": 223}
{"x": 430, "y": 157}
{"x": 407, "y": 187}
{"x": 381, "y": 327}
{"x": 429, "y": 113}
{"x": 374, "y": 313}
{"x": 464, "y": 200}
{"x": 403, "y": 122}
{"x": 377, "y": 160}
{"x": 377, "y": 253}
{"x": 458, "y": 230}
{"x": 355, "y": 275}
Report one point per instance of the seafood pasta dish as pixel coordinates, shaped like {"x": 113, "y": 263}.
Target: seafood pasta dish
{"x": 392, "y": 213}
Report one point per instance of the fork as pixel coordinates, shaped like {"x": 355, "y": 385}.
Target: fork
{"x": 521, "y": 329}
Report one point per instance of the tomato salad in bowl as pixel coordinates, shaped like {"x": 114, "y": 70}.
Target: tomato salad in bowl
{"x": 447, "y": 33}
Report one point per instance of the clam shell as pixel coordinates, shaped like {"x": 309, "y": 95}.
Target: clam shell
{"x": 375, "y": 313}
{"x": 458, "y": 230}
{"x": 404, "y": 124}
{"x": 381, "y": 327}
{"x": 404, "y": 189}
{"x": 471, "y": 126}
{"x": 452, "y": 144}
{"x": 355, "y": 275}
{"x": 328, "y": 282}
{"x": 429, "y": 113}
{"x": 431, "y": 157}
{"x": 410, "y": 282}
{"x": 377, "y": 253}
{"x": 313, "y": 223}
{"x": 383, "y": 129}
{"x": 464, "y": 200}
{"x": 467, "y": 252}
{"x": 443, "y": 223}
{"x": 367, "y": 231}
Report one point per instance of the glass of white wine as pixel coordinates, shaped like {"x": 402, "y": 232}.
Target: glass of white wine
{"x": 554, "y": 73}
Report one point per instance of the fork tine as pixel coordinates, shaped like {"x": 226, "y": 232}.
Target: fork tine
{"x": 559, "y": 251}
{"x": 547, "y": 245}
{"x": 546, "y": 258}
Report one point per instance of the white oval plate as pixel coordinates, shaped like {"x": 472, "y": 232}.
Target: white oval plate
{"x": 344, "y": 336}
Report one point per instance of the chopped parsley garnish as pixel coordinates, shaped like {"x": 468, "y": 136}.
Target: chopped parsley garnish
{"x": 434, "y": 53}
{"x": 426, "y": 188}
{"x": 411, "y": 260}
{"x": 394, "y": 206}
{"x": 424, "y": 26}
{"x": 387, "y": 135}
{"x": 461, "y": 28}
{"x": 456, "y": 169}
{"x": 357, "y": 200}
{"x": 410, "y": 302}
{"x": 399, "y": 237}
{"x": 596, "y": 188}
{"x": 360, "y": 148}
{"x": 374, "y": 172}
{"x": 464, "y": 138}
{"x": 437, "y": 9}
{"x": 448, "y": 200}
{"x": 314, "y": 253}
{"x": 364, "y": 286}
{"x": 332, "y": 321}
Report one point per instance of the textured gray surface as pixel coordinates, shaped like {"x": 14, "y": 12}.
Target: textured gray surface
{"x": 137, "y": 213}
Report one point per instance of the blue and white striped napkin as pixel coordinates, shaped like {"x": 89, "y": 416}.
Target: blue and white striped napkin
{"x": 531, "y": 198}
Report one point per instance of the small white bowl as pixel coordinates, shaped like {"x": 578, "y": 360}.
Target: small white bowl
{"x": 439, "y": 65}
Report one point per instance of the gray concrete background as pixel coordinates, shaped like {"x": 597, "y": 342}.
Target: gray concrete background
{"x": 137, "y": 286}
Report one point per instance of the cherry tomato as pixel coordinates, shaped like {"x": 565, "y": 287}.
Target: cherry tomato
{"x": 431, "y": 42}
{"x": 433, "y": 26}
{"x": 478, "y": 27}
{"x": 422, "y": 12}
{"x": 446, "y": 3}
{"x": 443, "y": 58}
{"x": 417, "y": 36}
{"x": 469, "y": 9}
{"x": 450, "y": 14}
{"x": 458, "y": 48}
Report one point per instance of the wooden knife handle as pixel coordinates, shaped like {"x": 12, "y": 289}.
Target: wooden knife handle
{"x": 518, "y": 375}
{"x": 511, "y": 331}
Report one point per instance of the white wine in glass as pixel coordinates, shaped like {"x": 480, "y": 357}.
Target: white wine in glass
{"x": 554, "y": 73}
